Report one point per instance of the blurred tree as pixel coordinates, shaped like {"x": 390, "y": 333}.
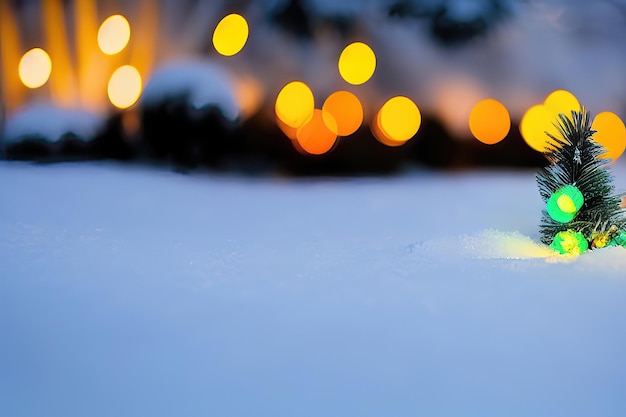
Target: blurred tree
{"x": 294, "y": 18}
{"x": 453, "y": 22}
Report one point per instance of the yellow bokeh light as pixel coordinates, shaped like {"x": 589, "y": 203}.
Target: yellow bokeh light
{"x": 114, "y": 34}
{"x": 489, "y": 121}
{"x": 610, "y": 133}
{"x": 124, "y": 86}
{"x": 230, "y": 35}
{"x": 347, "y": 111}
{"x": 561, "y": 101}
{"x": 398, "y": 119}
{"x": 295, "y": 104}
{"x": 317, "y": 136}
{"x": 35, "y": 68}
{"x": 535, "y": 123}
{"x": 357, "y": 63}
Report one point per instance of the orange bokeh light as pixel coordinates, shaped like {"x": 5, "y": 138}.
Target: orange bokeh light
{"x": 290, "y": 132}
{"x": 610, "y": 133}
{"x": 317, "y": 136}
{"x": 347, "y": 111}
{"x": 489, "y": 121}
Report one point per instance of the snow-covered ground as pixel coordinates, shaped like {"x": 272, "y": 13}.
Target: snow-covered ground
{"x": 131, "y": 291}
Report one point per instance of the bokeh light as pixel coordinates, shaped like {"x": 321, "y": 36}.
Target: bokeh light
{"x": 290, "y": 132}
{"x": 380, "y": 135}
{"x": 561, "y": 101}
{"x": 534, "y": 124}
{"x": 489, "y": 121}
{"x": 124, "y": 86}
{"x": 295, "y": 104}
{"x": 35, "y": 68}
{"x": 397, "y": 121}
{"x": 230, "y": 35}
{"x": 346, "y": 110}
{"x": 610, "y": 133}
{"x": 114, "y": 34}
{"x": 357, "y": 63}
{"x": 317, "y": 136}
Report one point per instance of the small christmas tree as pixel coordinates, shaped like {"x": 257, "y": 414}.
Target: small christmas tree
{"x": 582, "y": 210}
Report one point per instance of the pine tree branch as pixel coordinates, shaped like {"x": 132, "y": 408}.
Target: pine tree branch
{"x": 575, "y": 160}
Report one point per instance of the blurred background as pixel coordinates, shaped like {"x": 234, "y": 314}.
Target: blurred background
{"x": 301, "y": 87}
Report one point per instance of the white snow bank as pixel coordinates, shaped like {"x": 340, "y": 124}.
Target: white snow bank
{"x": 205, "y": 83}
{"x": 50, "y": 123}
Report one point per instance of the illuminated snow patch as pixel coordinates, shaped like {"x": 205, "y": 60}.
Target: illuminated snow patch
{"x": 494, "y": 244}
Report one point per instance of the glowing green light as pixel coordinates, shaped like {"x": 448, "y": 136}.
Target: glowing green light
{"x": 564, "y": 204}
{"x": 569, "y": 243}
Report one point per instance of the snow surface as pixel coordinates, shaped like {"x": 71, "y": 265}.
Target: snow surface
{"x": 129, "y": 291}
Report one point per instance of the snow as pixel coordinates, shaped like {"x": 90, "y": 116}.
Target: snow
{"x": 133, "y": 291}
{"x": 49, "y": 122}
{"x": 204, "y": 81}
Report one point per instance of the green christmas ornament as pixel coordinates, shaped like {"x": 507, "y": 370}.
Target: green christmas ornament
{"x": 619, "y": 239}
{"x": 564, "y": 204}
{"x": 569, "y": 242}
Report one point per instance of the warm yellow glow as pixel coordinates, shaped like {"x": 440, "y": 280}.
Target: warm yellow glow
{"x": 114, "y": 34}
{"x": 489, "y": 121}
{"x": 295, "y": 104}
{"x": 561, "y": 101}
{"x": 453, "y": 98}
{"x": 317, "y": 135}
{"x": 230, "y": 35}
{"x": 346, "y": 110}
{"x": 124, "y": 86}
{"x": 145, "y": 37}
{"x": 91, "y": 66}
{"x": 35, "y": 68}
{"x": 610, "y": 133}
{"x": 131, "y": 124}
{"x": 10, "y": 51}
{"x": 357, "y": 63}
{"x": 535, "y": 123}
{"x": 399, "y": 119}
{"x": 63, "y": 86}
{"x": 249, "y": 93}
